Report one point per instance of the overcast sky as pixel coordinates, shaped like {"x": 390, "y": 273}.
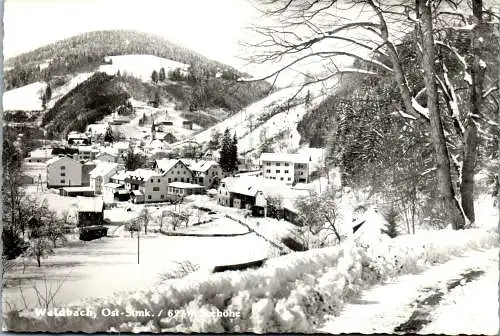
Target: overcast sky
{"x": 210, "y": 27}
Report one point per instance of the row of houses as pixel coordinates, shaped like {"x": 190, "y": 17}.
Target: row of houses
{"x": 168, "y": 176}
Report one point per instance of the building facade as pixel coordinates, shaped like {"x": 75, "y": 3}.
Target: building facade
{"x": 63, "y": 172}
{"x": 287, "y": 168}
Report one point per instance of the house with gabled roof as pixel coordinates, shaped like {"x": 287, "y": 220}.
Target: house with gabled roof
{"x": 146, "y": 185}
{"x": 101, "y": 174}
{"x": 173, "y": 170}
{"x": 207, "y": 173}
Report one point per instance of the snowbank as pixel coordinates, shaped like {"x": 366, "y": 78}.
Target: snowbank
{"x": 288, "y": 294}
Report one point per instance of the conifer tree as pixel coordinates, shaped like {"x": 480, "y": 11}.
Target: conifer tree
{"x": 225, "y": 159}
{"x": 234, "y": 153}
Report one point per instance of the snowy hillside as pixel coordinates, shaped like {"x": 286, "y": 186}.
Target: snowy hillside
{"x": 140, "y": 66}
{"x": 61, "y": 91}
{"x": 251, "y": 134}
{"x": 26, "y": 98}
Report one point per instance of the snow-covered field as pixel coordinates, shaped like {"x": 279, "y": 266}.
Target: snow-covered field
{"x": 140, "y": 66}
{"x": 25, "y": 98}
{"x": 108, "y": 265}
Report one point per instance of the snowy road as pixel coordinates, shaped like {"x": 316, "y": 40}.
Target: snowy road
{"x": 459, "y": 296}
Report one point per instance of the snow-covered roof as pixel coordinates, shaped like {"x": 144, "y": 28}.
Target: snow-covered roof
{"x": 77, "y": 189}
{"x": 76, "y": 135}
{"x": 121, "y": 175}
{"x": 166, "y": 164}
{"x": 199, "y": 166}
{"x": 87, "y": 149}
{"x": 103, "y": 168}
{"x": 285, "y": 157}
{"x": 41, "y": 153}
{"x": 108, "y": 151}
{"x": 155, "y": 144}
{"x": 112, "y": 185}
{"x": 143, "y": 173}
{"x": 184, "y": 185}
{"x": 250, "y": 185}
{"x": 90, "y": 204}
{"x": 59, "y": 158}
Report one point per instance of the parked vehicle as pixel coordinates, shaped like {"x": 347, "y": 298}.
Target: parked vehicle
{"x": 93, "y": 232}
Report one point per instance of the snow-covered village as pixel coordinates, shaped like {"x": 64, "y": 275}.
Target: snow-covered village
{"x": 267, "y": 166}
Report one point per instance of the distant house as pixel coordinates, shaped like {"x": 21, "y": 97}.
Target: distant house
{"x": 110, "y": 191}
{"x": 185, "y": 189}
{"x": 188, "y": 124}
{"x": 63, "y": 172}
{"x": 205, "y": 173}
{"x": 121, "y": 147}
{"x": 90, "y": 211}
{"x": 212, "y": 155}
{"x": 75, "y": 138}
{"x": 120, "y": 177}
{"x": 173, "y": 170}
{"x": 252, "y": 193}
{"x": 288, "y": 168}
{"x": 40, "y": 155}
{"x": 86, "y": 153}
{"x": 146, "y": 185}
{"x": 107, "y": 156}
{"x": 101, "y": 174}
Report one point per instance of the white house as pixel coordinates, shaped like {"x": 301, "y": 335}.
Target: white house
{"x": 63, "y": 171}
{"x": 75, "y": 138}
{"x": 121, "y": 147}
{"x": 288, "y": 168}
{"x": 86, "y": 153}
{"x": 101, "y": 174}
{"x": 205, "y": 173}
{"x": 107, "y": 155}
{"x": 146, "y": 185}
{"x": 174, "y": 170}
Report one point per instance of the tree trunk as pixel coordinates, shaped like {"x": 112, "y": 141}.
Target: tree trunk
{"x": 468, "y": 166}
{"x": 470, "y": 135}
{"x": 450, "y": 205}
{"x": 38, "y": 261}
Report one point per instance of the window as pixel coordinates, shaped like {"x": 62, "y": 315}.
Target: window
{"x": 156, "y": 188}
{"x": 268, "y": 170}
{"x": 149, "y": 197}
{"x": 277, "y": 163}
{"x": 62, "y": 181}
{"x": 175, "y": 179}
{"x": 301, "y": 173}
{"x": 268, "y": 163}
{"x": 286, "y": 171}
{"x": 178, "y": 173}
{"x": 63, "y": 167}
{"x": 184, "y": 172}
{"x": 161, "y": 196}
{"x": 169, "y": 180}
{"x": 277, "y": 171}
{"x": 281, "y": 178}
{"x": 182, "y": 179}
{"x": 158, "y": 180}
{"x": 287, "y": 164}
{"x": 200, "y": 180}
{"x": 152, "y": 181}
{"x": 289, "y": 179}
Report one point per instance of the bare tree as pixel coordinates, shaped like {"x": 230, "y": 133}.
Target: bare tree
{"x": 298, "y": 31}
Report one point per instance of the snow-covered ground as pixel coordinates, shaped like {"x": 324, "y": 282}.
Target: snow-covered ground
{"x": 25, "y": 98}
{"x": 140, "y": 66}
{"x": 291, "y": 293}
{"x": 108, "y": 265}
{"x": 469, "y": 308}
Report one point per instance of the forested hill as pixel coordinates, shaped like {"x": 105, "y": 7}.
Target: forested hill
{"x": 85, "y": 52}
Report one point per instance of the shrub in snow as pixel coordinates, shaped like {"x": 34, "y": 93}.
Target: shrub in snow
{"x": 288, "y": 294}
